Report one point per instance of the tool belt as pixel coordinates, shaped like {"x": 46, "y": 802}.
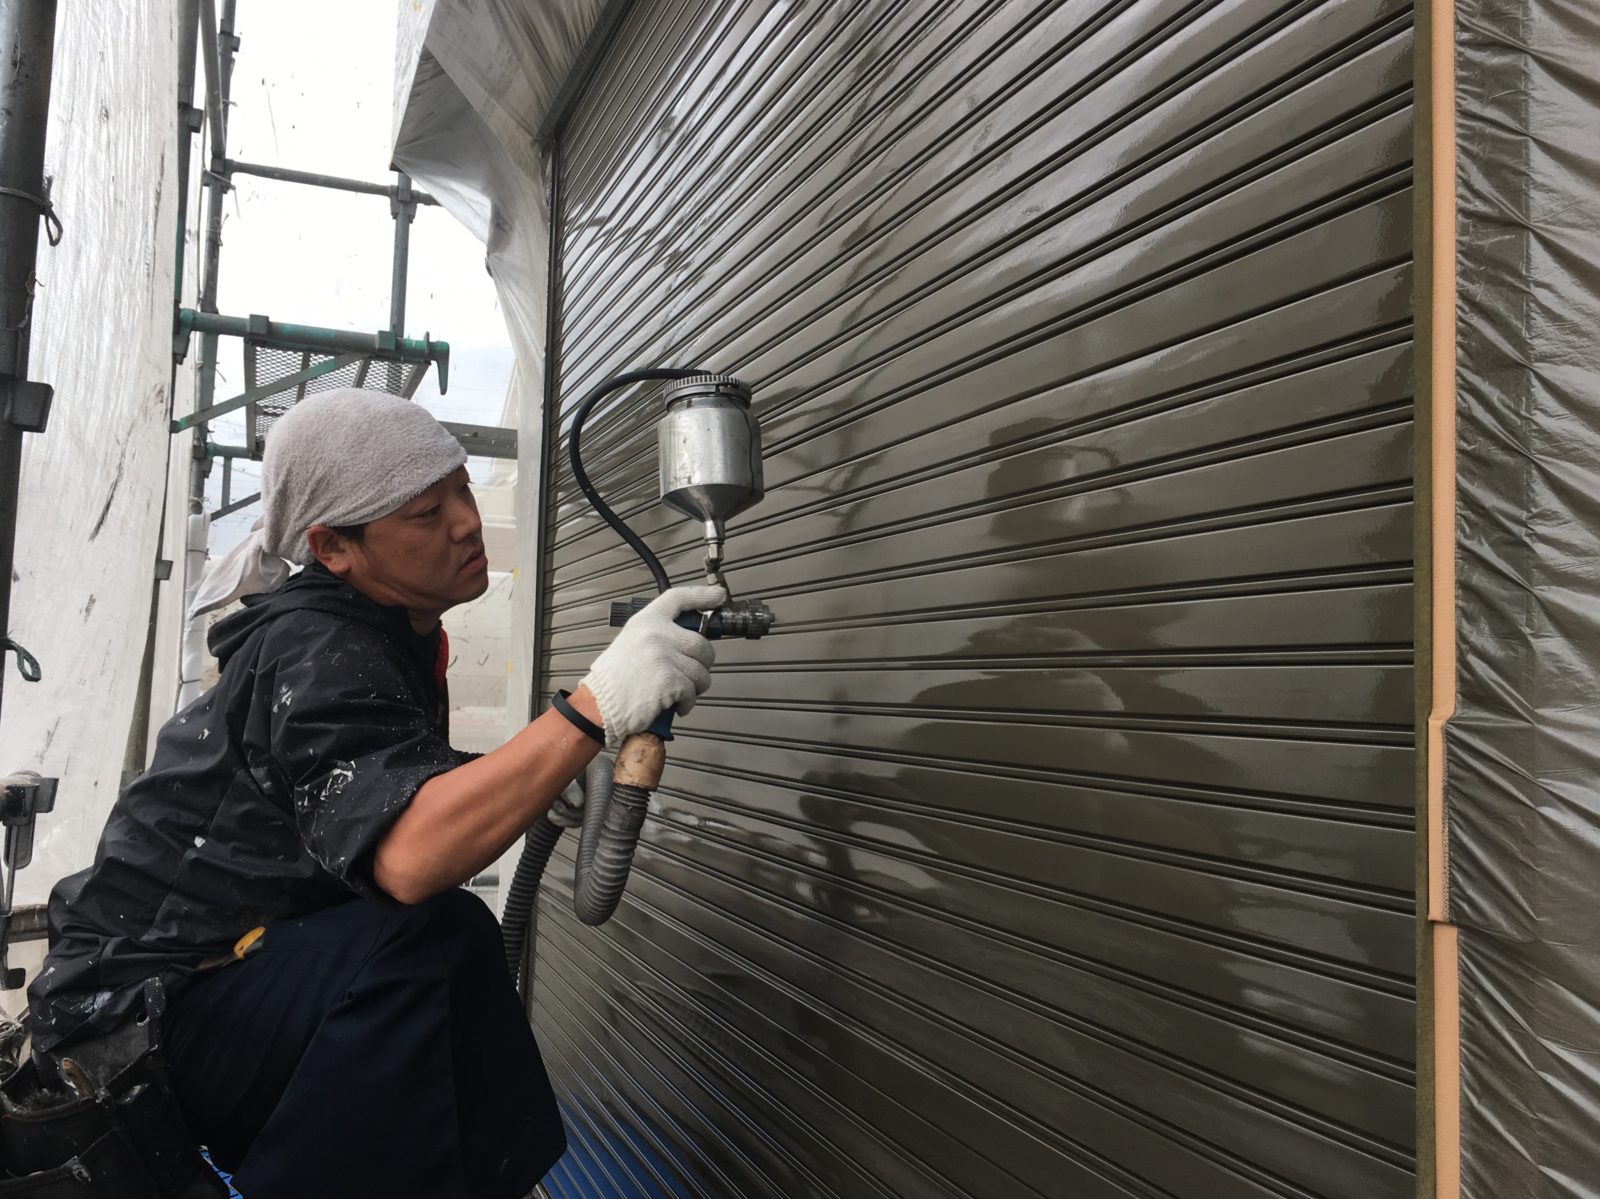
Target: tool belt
{"x": 101, "y": 1121}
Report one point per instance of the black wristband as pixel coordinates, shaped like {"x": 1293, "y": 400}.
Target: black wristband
{"x": 577, "y": 719}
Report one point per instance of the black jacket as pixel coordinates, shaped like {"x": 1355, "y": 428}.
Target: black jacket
{"x": 265, "y": 799}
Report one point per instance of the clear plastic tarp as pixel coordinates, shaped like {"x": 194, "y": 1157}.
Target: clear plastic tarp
{"x": 1523, "y": 749}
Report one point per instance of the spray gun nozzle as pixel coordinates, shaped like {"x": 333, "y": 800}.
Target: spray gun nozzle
{"x": 714, "y": 554}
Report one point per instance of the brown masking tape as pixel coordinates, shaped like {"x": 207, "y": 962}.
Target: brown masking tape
{"x": 1444, "y": 988}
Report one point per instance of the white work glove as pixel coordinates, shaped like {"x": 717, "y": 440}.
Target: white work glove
{"x": 653, "y": 664}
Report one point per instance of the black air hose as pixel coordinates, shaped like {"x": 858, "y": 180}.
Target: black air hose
{"x": 580, "y": 476}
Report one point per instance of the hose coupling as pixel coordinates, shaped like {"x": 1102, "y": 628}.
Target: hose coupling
{"x": 750, "y": 619}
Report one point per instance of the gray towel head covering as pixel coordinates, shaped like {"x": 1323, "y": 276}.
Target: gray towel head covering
{"x": 343, "y": 457}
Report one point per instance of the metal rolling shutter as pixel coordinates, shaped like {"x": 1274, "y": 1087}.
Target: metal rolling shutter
{"x": 1059, "y": 841}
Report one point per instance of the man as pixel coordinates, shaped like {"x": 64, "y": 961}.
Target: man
{"x": 369, "y": 1041}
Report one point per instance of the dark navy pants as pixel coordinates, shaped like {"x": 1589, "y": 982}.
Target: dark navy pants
{"x": 368, "y": 1050}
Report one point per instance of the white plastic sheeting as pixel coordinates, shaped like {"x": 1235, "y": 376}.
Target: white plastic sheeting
{"x": 474, "y": 82}
{"x": 193, "y": 653}
{"x": 92, "y": 485}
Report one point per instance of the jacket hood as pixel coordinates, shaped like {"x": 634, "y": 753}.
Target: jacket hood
{"x": 314, "y": 589}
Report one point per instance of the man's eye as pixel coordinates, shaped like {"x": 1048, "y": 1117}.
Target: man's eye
{"x": 433, "y": 511}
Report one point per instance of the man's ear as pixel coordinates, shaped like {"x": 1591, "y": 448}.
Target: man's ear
{"x": 330, "y": 549}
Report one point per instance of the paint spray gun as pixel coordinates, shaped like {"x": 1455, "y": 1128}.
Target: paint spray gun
{"x": 709, "y": 455}
{"x": 710, "y": 470}
{"x": 709, "y": 450}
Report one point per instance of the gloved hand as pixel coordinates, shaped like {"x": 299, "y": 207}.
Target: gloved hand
{"x": 653, "y": 664}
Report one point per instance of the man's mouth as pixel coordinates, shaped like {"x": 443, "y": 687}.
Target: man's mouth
{"x": 476, "y": 560}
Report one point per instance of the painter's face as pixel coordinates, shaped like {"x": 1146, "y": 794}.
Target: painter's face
{"x": 426, "y": 556}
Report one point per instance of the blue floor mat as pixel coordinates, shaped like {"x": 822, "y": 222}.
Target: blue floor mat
{"x": 227, "y": 1178}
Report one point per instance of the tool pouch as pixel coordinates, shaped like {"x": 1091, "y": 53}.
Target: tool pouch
{"x": 101, "y": 1122}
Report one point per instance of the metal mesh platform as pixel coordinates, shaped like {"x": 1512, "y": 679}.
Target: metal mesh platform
{"x": 266, "y": 364}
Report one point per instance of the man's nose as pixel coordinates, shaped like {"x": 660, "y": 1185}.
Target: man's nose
{"x": 465, "y": 522}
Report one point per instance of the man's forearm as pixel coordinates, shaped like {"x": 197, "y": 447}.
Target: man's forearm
{"x": 461, "y": 821}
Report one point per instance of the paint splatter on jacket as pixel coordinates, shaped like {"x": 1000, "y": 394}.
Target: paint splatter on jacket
{"x": 266, "y": 799}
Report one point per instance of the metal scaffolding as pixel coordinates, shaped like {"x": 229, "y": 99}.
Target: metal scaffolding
{"x": 283, "y": 362}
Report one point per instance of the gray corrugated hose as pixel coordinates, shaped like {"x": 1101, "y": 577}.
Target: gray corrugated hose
{"x": 613, "y": 814}
{"x": 517, "y": 919}
{"x": 612, "y": 817}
